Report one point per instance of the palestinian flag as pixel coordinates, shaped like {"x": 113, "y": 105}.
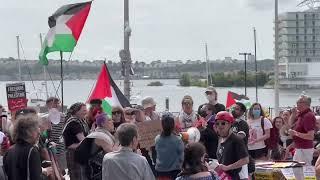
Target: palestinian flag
{"x": 66, "y": 25}
{"x": 107, "y": 90}
{"x": 232, "y": 98}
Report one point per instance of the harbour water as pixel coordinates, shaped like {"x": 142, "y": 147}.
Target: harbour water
{"x": 78, "y": 91}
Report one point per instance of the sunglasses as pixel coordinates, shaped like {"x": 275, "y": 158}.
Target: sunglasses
{"x": 25, "y": 112}
{"x": 208, "y": 92}
{"x": 116, "y": 112}
{"x": 187, "y": 104}
{"x": 221, "y": 123}
{"x": 130, "y": 113}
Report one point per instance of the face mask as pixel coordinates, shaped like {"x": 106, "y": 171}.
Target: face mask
{"x": 211, "y": 98}
{"x": 256, "y": 113}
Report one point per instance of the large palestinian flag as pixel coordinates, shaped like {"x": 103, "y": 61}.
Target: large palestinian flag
{"x": 107, "y": 90}
{"x": 66, "y": 25}
{"x": 232, "y": 98}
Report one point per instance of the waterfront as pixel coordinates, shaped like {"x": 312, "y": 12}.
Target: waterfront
{"x": 78, "y": 90}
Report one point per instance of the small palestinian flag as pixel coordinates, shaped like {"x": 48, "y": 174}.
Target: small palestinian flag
{"x": 107, "y": 90}
{"x": 232, "y": 98}
{"x": 66, "y": 25}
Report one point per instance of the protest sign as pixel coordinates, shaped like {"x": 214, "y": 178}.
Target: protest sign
{"x": 16, "y": 96}
{"x": 148, "y": 130}
{"x": 309, "y": 172}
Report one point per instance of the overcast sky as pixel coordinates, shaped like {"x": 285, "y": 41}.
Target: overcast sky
{"x": 161, "y": 29}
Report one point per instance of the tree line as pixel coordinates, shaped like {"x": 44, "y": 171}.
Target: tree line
{"x": 226, "y": 80}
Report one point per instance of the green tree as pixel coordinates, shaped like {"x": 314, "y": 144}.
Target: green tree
{"x": 185, "y": 80}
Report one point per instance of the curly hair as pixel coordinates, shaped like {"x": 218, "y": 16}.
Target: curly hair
{"x": 74, "y": 108}
{"x": 24, "y": 127}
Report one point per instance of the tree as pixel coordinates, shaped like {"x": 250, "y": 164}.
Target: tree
{"x": 185, "y": 80}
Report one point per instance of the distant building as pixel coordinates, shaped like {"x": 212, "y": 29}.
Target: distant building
{"x": 171, "y": 63}
{"x": 251, "y": 58}
{"x": 228, "y": 59}
{"x": 299, "y": 49}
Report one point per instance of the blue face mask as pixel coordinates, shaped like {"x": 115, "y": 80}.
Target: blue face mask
{"x": 256, "y": 113}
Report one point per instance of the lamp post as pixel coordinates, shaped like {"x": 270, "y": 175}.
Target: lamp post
{"x": 125, "y": 52}
{"x": 245, "y": 71}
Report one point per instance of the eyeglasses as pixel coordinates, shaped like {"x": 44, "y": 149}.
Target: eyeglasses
{"x": 221, "y": 123}
{"x": 208, "y": 92}
{"x": 116, "y": 112}
{"x": 25, "y": 112}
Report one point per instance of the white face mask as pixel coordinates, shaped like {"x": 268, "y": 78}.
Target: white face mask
{"x": 211, "y": 98}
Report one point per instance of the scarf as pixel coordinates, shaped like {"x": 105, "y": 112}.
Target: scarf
{"x": 187, "y": 119}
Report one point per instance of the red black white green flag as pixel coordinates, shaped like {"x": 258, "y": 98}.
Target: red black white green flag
{"x": 66, "y": 25}
{"x": 232, "y": 98}
{"x": 107, "y": 90}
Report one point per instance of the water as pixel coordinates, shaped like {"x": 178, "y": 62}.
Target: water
{"x": 78, "y": 91}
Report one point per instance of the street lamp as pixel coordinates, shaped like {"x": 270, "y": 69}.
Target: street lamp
{"x": 124, "y": 54}
{"x": 245, "y": 71}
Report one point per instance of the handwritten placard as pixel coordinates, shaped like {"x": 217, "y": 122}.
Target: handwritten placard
{"x": 309, "y": 172}
{"x": 288, "y": 173}
{"x": 148, "y": 130}
{"x": 16, "y": 96}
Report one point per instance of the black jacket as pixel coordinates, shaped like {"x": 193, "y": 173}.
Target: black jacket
{"x": 15, "y": 162}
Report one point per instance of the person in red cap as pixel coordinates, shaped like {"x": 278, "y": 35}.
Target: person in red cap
{"x": 232, "y": 153}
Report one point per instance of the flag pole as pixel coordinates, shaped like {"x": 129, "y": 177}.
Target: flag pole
{"x": 61, "y": 75}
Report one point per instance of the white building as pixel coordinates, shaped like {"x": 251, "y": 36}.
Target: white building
{"x": 299, "y": 49}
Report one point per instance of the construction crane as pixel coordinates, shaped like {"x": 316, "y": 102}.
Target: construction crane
{"x": 312, "y": 4}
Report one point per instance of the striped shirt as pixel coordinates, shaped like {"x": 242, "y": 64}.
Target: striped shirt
{"x": 56, "y": 134}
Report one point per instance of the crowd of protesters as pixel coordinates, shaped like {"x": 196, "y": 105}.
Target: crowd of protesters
{"x": 86, "y": 143}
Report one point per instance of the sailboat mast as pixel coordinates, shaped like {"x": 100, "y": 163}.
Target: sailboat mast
{"x": 19, "y": 59}
{"x": 44, "y": 71}
{"x": 207, "y": 66}
{"x": 255, "y": 61}
{"x": 276, "y": 61}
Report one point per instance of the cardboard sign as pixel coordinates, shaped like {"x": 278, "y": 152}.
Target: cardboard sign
{"x": 16, "y": 96}
{"x": 288, "y": 173}
{"x": 148, "y": 130}
{"x": 309, "y": 172}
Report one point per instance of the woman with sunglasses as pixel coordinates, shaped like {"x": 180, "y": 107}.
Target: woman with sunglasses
{"x": 130, "y": 115}
{"x": 259, "y": 131}
{"x": 117, "y": 116}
